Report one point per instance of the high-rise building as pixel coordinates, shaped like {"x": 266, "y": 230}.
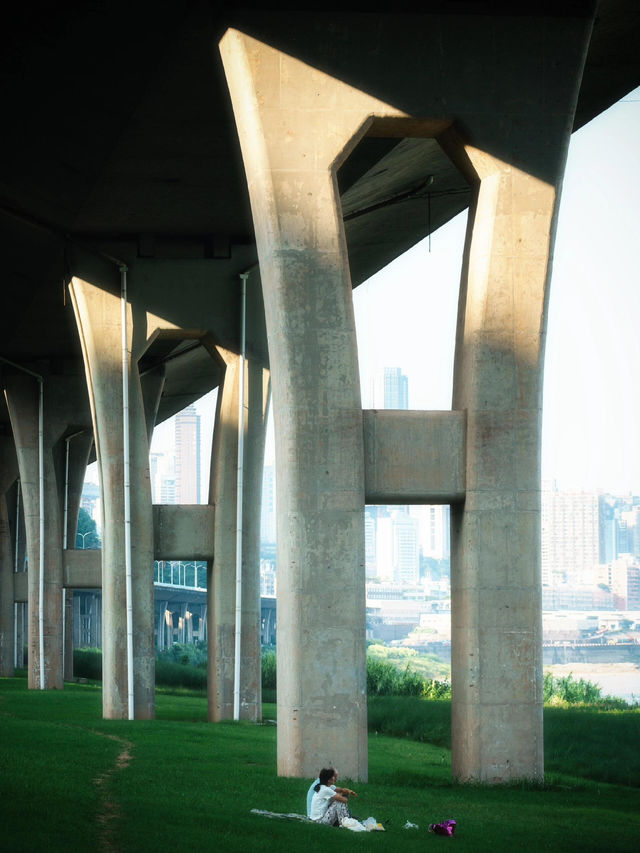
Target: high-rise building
{"x": 370, "y": 561}
{"x": 570, "y": 536}
{"x": 187, "y": 468}
{"x": 268, "y": 516}
{"x": 434, "y": 530}
{"x": 396, "y": 547}
{"x": 391, "y": 389}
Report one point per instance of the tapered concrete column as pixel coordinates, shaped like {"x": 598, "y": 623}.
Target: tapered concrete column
{"x": 62, "y": 404}
{"x": 8, "y": 474}
{"x": 77, "y": 447}
{"x": 296, "y": 124}
{"x": 496, "y": 585}
{"x": 98, "y": 314}
{"x": 22, "y": 401}
{"x": 221, "y": 584}
{"x": 6, "y": 593}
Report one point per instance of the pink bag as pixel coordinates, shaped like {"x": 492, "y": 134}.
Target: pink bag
{"x": 447, "y": 827}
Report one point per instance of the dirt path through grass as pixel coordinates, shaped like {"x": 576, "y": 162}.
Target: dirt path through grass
{"x": 109, "y": 812}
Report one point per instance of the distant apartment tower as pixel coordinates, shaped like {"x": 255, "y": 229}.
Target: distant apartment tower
{"x": 268, "y": 516}
{"x": 370, "y": 564}
{"x": 168, "y": 490}
{"x": 187, "y": 467}
{"x": 396, "y": 546}
{"x": 391, "y": 389}
{"x": 570, "y": 536}
{"x": 435, "y": 523}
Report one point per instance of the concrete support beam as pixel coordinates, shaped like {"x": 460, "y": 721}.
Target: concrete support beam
{"x": 414, "y": 457}
{"x": 183, "y": 531}
{"x": 82, "y": 568}
{"x": 221, "y": 582}
{"x": 97, "y": 308}
{"x": 296, "y": 125}
{"x": 20, "y": 586}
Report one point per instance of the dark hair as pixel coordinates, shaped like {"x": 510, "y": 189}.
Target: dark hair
{"x": 325, "y": 775}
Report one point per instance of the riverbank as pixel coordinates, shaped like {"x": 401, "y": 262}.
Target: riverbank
{"x": 614, "y": 679}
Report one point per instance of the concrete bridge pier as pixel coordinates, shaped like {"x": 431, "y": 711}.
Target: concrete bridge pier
{"x": 97, "y": 308}
{"x": 296, "y": 125}
{"x": 316, "y": 394}
{"x": 63, "y": 400}
{"x": 221, "y": 583}
{"x": 77, "y": 447}
{"x": 8, "y": 474}
{"x": 515, "y": 167}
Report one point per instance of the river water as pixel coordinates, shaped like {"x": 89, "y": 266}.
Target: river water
{"x": 614, "y": 679}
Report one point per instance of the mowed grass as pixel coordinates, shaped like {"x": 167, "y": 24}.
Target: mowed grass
{"x": 188, "y": 784}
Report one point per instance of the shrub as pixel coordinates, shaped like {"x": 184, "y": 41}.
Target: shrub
{"x": 172, "y": 674}
{"x": 87, "y": 663}
{"x": 269, "y": 669}
{"x": 187, "y": 654}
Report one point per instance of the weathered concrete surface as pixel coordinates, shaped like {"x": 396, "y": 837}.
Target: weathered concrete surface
{"x": 221, "y": 579}
{"x": 82, "y": 569}
{"x": 64, "y": 402}
{"x": 20, "y": 586}
{"x": 181, "y": 532}
{"x": 414, "y": 457}
{"x": 8, "y": 475}
{"x": 296, "y": 125}
{"x": 497, "y": 732}
{"x": 98, "y": 313}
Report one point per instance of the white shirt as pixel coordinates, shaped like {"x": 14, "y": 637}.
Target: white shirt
{"x": 320, "y": 801}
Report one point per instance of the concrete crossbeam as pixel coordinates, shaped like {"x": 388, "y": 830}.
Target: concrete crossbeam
{"x": 82, "y": 568}
{"x": 20, "y": 586}
{"x": 413, "y": 457}
{"x": 183, "y": 532}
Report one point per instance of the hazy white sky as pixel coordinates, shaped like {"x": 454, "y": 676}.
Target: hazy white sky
{"x": 406, "y": 313}
{"x": 406, "y": 316}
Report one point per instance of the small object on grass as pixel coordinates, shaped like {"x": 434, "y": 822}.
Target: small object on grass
{"x": 446, "y": 827}
{"x": 409, "y": 825}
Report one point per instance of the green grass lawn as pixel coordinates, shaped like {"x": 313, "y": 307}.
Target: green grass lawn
{"x": 185, "y": 784}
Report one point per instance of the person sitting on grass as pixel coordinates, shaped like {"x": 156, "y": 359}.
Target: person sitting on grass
{"x": 329, "y": 803}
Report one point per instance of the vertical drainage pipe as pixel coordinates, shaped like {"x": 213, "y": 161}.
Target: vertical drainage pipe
{"x": 239, "y": 498}
{"x": 127, "y": 489}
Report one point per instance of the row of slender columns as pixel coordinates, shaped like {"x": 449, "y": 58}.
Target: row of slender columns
{"x": 98, "y": 312}
{"x": 63, "y": 399}
{"x": 296, "y": 126}
{"x": 66, "y": 449}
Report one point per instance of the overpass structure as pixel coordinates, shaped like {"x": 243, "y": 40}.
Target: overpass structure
{"x": 160, "y": 160}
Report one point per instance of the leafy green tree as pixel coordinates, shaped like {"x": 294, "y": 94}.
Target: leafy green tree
{"x": 86, "y": 533}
